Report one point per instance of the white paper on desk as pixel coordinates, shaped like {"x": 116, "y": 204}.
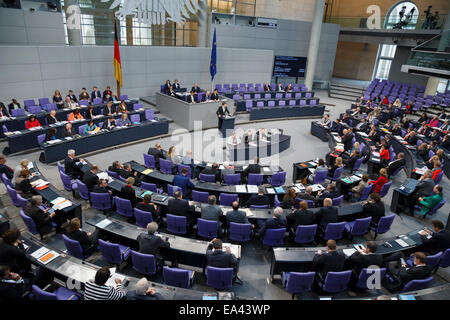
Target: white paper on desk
{"x": 252, "y": 188}
{"x": 402, "y": 243}
{"x": 248, "y": 212}
{"x": 40, "y": 252}
{"x": 244, "y": 167}
{"x": 349, "y": 252}
{"x": 111, "y": 281}
{"x": 317, "y": 187}
{"x": 66, "y": 203}
{"x": 312, "y": 170}
{"x": 16, "y": 132}
{"x": 58, "y": 200}
{"x": 312, "y": 163}
{"x": 196, "y": 162}
{"x": 69, "y": 138}
{"x": 426, "y": 234}
{"x": 102, "y": 224}
{"x": 30, "y": 165}
{"x": 53, "y": 141}
{"x": 221, "y": 167}
{"x": 209, "y": 164}
{"x": 241, "y": 188}
{"x": 266, "y": 169}
{"x": 296, "y": 189}
{"x": 103, "y": 175}
{"x": 270, "y": 190}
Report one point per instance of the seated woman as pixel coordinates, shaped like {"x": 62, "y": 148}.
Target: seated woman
{"x": 23, "y": 186}
{"x": 428, "y": 203}
{"x": 172, "y": 155}
{"x": 58, "y": 99}
{"x": 90, "y": 127}
{"x": 128, "y": 192}
{"x": 32, "y": 122}
{"x": 320, "y": 167}
{"x": 113, "y": 97}
{"x": 87, "y": 240}
{"x": 90, "y": 112}
{"x": 379, "y": 183}
{"x": 123, "y": 120}
{"x": 436, "y": 169}
{"x": 51, "y": 134}
{"x": 350, "y": 161}
{"x": 215, "y": 95}
{"x": 148, "y": 206}
{"x": 334, "y": 166}
{"x": 397, "y": 103}
{"x": 289, "y": 199}
{"x": 357, "y": 190}
{"x": 122, "y": 107}
{"x": 75, "y": 115}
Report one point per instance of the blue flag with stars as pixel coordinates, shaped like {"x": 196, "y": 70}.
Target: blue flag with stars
{"x": 213, "y": 67}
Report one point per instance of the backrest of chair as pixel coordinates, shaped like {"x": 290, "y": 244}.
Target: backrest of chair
{"x": 176, "y": 224}
{"x": 40, "y": 139}
{"x": 100, "y": 201}
{"x": 110, "y": 251}
{"x": 42, "y": 295}
{"x": 336, "y": 281}
{"x": 176, "y": 277}
{"x": 227, "y": 199}
{"x": 415, "y": 285}
{"x": 338, "y": 201}
{"x": 12, "y": 195}
{"x": 255, "y": 179}
{"x": 31, "y": 226}
{"x": 165, "y": 165}
{"x": 432, "y": 211}
{"x": 232, "y": 179}
{"x": 200, "y": 196}
{"x": 361, "y": 226}
{"x": 123, "y": 207}
{"x": 73, "y": 247}
{"x": 300, "y": 282}
{"x": 149, "y": 114}
{"x": 433, "y": 260}
{"x": 337, "y": 173}
{"x": 366, "y": 192}
{"x": 135, "y": 118}
{"x": 149, "y": 186}
{"x": 334, "y": 231}
{"x": 60, "y": 167}
{"x": 219, "y": 278}
{"x": 113, "y": 174}
{"x": 367, "y": 273}
{"x": 445, "y": 259}
{"x": 67, "y": 182}
{"x": 171, "y": 189}
{"x": 357, "y": 164}
{"x": 137, "y": 106}
{"x": 82, "y": 189}
{"x": 149, "y": 161}
{"x": 97, "y": 101}
{"x": 385, "y": 188}
{"x": 240, "y": 231}
{"x": 123, "y": 97}
{"x": 81, "y": 129}
{"x": 29, "y": 102}
{"x": 320, "y": 176}
{"x": 274, "y": 237}
{"x": 439, "y": 177}
{"x": 143, "y": 263}
{"x": 17, "y": 112}
{"x": 143, "y": 218}
{"x": 207, "y": 177}
{"x": 207, "y": 228}
{"x": 305, "y": 234}
{"x": 278, "y": 179}
{"x": 181, "y": 166}
{"x": 384, "y": 225}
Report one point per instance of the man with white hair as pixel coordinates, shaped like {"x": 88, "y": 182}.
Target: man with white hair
{"x": 276, "y": 222}
{"x": 51, "y": 118}
{"x": 68, "y": 131}
{"x": 143, "y": 292}
{"x": 227, "y": 169}
{"x": 149, "y": 243}
{"x": 72, "y": 165}
{"x": 327, "y": 214}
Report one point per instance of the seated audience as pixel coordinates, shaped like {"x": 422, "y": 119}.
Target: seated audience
{"x": 143, "y": 291}
{"x": 379, "y": 183}
{"x": 96, "y": 289}
{"x": 276, "y": 222}
{"x": 41, "y": 218}
{"x": 327, "y": 214}
{"x": 150, "y": 243}
{"x": 329, "y": 261}
{"x": 87, "y": 240}
{"x": 32, "y": 122}
{"x": 259, "y": 199}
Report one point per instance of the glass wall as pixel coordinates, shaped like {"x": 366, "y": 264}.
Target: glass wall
{"x": 240, "y": 7}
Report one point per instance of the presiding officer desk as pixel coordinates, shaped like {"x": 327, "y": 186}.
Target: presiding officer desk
{"x": 185, "y": 114}
{"x": 295, "y": 259}
{"x": 275, "y": 144}
{"x": 74, "y": 271}
{"x": 186, "y": 251}
{"x": 104, "y": 138}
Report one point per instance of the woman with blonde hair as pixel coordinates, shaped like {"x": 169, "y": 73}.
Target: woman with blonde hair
{"x": 337, "y": 164}
{"x": 397, "y": 103}
{"x": 22, "y": 165}
{"x": 23, "y": 185}
{"x": 379, "y": 183}
{"x": 172, "y": 155}
{"x": 87, "y": 240}
{"x": 58, "y": 100}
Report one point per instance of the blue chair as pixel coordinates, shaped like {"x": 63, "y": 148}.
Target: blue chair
{"x": 309, "y": 202}
{"x": 207, "y": 177}
{"x": 68, "y": 184}
{"x": 181, "y": 166}
{"x": 445, "y": 259}
{"x": 232, "y": 179}
{"x": 143, "y": 218}
{"x": 113, "y": 253}
{"x": 149, "y": 114}
{"x": 100, "y": 201}
{"x": 31, "y": 226}
{"x": 41, "y": 140}
{"x": 74, "y": 248}
{"x": 383, "y": 226}
{"x": 165, "y": 166}
{"x": 149, "y": 161}
{"x": 335, "y": 281}
{"x": 359, "y": 227}
{"x": 172, "y": 189}
{"x": 219, "y": 278}
{"x": 415, "y": 285}
{"x": 297, "y": 282}
{"x": 149, "y": 186}
{"x": 263, "y": 206}
{"x": 432, "y": 261}
{"x": 366, "y": 273}
{"x": 199, "y": 196}
{"x": 357, "y": 164}
{"x": 82, "y": 189}
{"x": 227, "y": 199}
{"x": 305, "y": 234}
{"x": 240, "y": 232}
{"x": 334, "y": 231}
{"x": 123, "y": 207}
{"x": 337, "y": 174}
{"x": 113, "y": 174}
{"x": 274, "y": 237}
{"x": 144, "y": 263}
{"x": 439, "y": 177}
{"x": 178, "y": 277}
{"x": 176, "y": 224}
{"x": 206, "y": 228}
{"x": 278, "y": 179}
{"x": 255, "y": 179}
{"x": 385, "y": 188}
{"x": 320, "y": 176}
{"x": 338, "y": 201}
{"x": 59, "y": 294}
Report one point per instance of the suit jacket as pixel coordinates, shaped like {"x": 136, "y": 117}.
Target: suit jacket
{"x": 131, "y": 295}
{"x": 14, "y": 257}
{"x": 89, "y": 115}
{"x": 106, "y": 124}
{"x": 326, "y": 215}
{"x": 214, "y": 96}
{"x": 221, "y": 112}
{"x": 176, "y": 86}
{"x": 191, "y": 99}
{"x": 258, "y": 200}
{"x": 326, "y": 262}
{"x": 42, "y": 220}
{"x": 424, "y": 187}
{"x": 219, "y": 259}
{"x": 375, "y": 210}
{"x": 10, "y": 291}
{"x": 394, "y": 165}
{"x": 236, "y": 216}
{"x": 71, "y": 167}
{"x": 82, "y": 238}
{"x": 183, "y": 182}
{"x": 273, "y": 223}
{"x": 107, "y": 110}
{"x": 181, "y": 207}
{"x": 95, "y": 94}
{"x": 11, "y": 106}
{"x": 359, "y": 261}
{"x": 157, "y": 154}
{"x": 73, "y": 98}
{"x": 129, "y": 193}
{"x": 300, "y": 218}
{"x": 306, "y": 196}
{"x": 98, "y": 189}
{"x": 7, "y": 171}
{"x": 196, "y": 90}
{"x": 252, "y": 168}
{"x": 150, "y": 244}
{"x": 51, "y": 120}
{"x": 90, "y": 179}
{"x": 211, "y": 212}
{"x": 67, "y": 133}
{"x": 125, "y": 174}
{"x": 347, "y": 141}
{"x": 414, "y": 273}
{"x": 439, "y": 241}
{"x": 210, "y": 170}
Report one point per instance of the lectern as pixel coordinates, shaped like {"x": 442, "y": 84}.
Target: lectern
{"x": 227, "y": 126}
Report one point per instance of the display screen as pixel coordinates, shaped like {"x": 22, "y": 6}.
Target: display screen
{"x": 288, "y": 66}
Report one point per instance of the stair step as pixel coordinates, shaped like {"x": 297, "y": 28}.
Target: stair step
{"x": 345, "y": 91}
{"x": 338, "y": 84}
{"x": 341, "y": 96}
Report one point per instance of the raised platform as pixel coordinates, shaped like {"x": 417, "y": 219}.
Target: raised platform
{"x": 286, "y": 112}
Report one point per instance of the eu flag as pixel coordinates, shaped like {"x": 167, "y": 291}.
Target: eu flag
{"x": 213, "y": 67}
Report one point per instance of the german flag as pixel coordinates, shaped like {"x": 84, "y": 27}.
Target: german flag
{"x": 117, "y": 64}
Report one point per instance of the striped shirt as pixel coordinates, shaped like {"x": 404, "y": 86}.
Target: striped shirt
{"x": 94, "y": 291}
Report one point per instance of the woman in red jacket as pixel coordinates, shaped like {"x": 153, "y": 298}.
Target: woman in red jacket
{"x": 32, "y": 122}
{"x": 378, "y": 184}
{"x": 436, "y": 169}
{"x": 384, "y": 155}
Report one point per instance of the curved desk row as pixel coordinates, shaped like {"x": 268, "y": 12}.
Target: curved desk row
{"x": 286, "y": 112}
{"x": 276, "y": 144}
{"x": 273, "y": 94}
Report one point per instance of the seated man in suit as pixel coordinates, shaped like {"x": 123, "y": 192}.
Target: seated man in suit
{"x": 90, "y": 178}
{"x": 299, "y": 217}
{"x": 217, "y": 258}
{"x": 227, "y": 169}
{"x": 331, "y": 193}
{"x": 214, "y": 169}
{"x": 401, "y": 274}
{"x": 12, "y": 286}
{"x": 157, "y": 152}
{"x": 149, "y": 243}
{"x": 128, "y": 192}
{"x": 259, "y": 199}
{"x": 143, "y": 291}
{"x": 276, "y": 222}
{"x": 365, "y": 258}
{"x": 330, "y": 261}
{"x": 109, "y": 124}
{"x": 327, "y": 214}
{"x": 101, "y": 187}
{"x": 196, "y": 89}
{"x": 207, "y": 96}
{"x": 95, "y": 93}
{"x": 362, "y": 126}
{"x": 51, "y": 117}
{"x": 191, "y": 98}
{"x": 374, "y": 208}
{"x": 115, "y": 167}
{"x": 126, "y": 172}
{"x": 397, "y": 163}
{"x": 4, "y": 168}
{"x": 13, "y": 105}
{"x": 307, "y": 195}
{"x": 236, "y": 215}
{"x": 176, "y": 85}
{"x": 184, "y": 182}
{"x": 68, "y": 130}
{"x": 437, "y": 240}
{"x": 347, "y": 139}
{"x": 109, "y": 109}
{"x": 72, "y": 165}
{"x": 411, "y": 138}
{"x": 252, "y": 168}
{"x": 41, "y": 218}
{"x": 212, "y": 212}
{"x": 423, "y": 189}
{"x": 180, "y": 207}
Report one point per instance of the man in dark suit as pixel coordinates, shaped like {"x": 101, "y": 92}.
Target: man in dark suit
{"x": 128, "y": 192}
{"x": 374, "y": 208}
{"x": 51, "y": 117}
{"x": 12, "y": 286}
{"x": 252, "y": 168}
{"x": 4, "y": 168}
{"x": 327, "y": 214}
{"x": 72, "y": 96}
{"x": 68, "y": 130}
{"x": 397, "y": 163}
{"x": 307, "y": 195}
{"x": 180, "y": 207}
{"x": 90, "y": 178}
{"x": 217, "y": 258}
{"x": 184, "y": 182}
{"x": 259, "y": 199}
{"x": 401, "y": 273}
{"x": 411, "y": 138}
{"x": 176, "y": 85}
{"x": 95, "y": 93}
{"x": 109, "y": 109}
{"x": 236, "y": 215}
{"x": 157, "y": 153}
{"x": 206, "y": 96}
{"x": 212, "y": 212}
{"x": 347, "y": 139}
{"x": 191, "y": 98}
{"x": 127, "y": 172}
{"x": 72, "y": 165}
{"x": 214, "y": 169}
{"x": 13, "y": 105}
{"x": 437, "y": 240}
{"x": 149, "y": 243}
{"x": 109, "y": 123}
{"x": 299, "y": 217}
{"x": 115, "y": 167}
{"x": 365, "y": 258}
{"x": 221, "y": 111}
{"x": 101, "y": 187}
{"x": 276, "y": 222}
{"x": 362, "y": 126}
{"x": 143, "y": 292}
{"x": 330, "y": 192}
{"x": 196, "y": 89}
{"x": 424, "y": 188}
{"x": 330, "y": 261}
{"x": 107, "y": 94}
{"x": 41, "y": 218}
